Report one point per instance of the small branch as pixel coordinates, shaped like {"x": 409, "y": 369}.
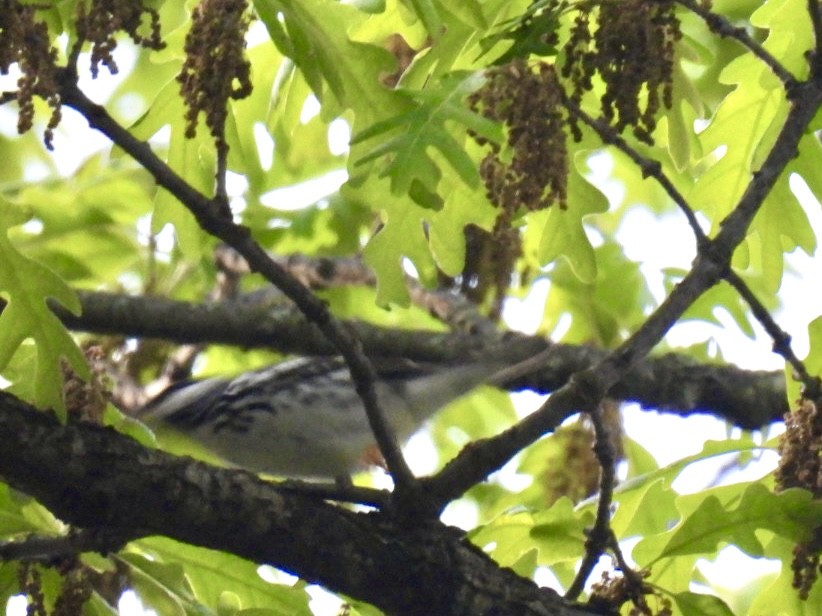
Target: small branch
{"x": 721, "y": 26}
{"x": 323, "y": 272}
{"x": 47, "y": 549}
{"x": 211, "y": 216}
{"x": 781, "y": 338}
{"x": 648, "y": 167}
{"x": 336, "y": 493}
{"x": 636, "y": 584}
{"x": 601, "y": 535}
{"x": 220, "y": 192}
{"x": 816, "y": 20}
{"x": 582, "y": 394}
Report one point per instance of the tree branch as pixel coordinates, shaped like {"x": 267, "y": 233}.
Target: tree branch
{"x": 210, "y": 215}
{"x": 781, "y": 338}
{"x": 98, "y": 479}
{"x": 721, "y": 26}
{"x": 670, "y": 383}
{"x": 600, "y": 535}
{"x": 48, "y": 548}
{"x": 316, "y": 273}
{"x": 586, "y": 389}
{"x": 648, "y": 167}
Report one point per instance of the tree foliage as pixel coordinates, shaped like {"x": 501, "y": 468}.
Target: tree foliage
{"x": 216, "y": 215}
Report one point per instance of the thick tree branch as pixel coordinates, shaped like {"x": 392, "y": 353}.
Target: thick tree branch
{"x": 670, "y": 383}
{"x": 98, "y": 479}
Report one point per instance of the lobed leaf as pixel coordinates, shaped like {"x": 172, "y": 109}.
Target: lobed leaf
{"x": 27, "y": 285}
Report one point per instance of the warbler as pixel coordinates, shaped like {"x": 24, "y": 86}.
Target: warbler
{"x": 303, "y": 418}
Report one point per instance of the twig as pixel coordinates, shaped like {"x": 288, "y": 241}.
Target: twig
{"x": 648, "y": 167}
{"x": 816, "y": 20}
{"x": 336, "y": 492}
{"x": 323, "y": 272}
{"x": 220, "y": 192}
{"x": 781, "y": 339}
{"x": 211, "y": 218}
{"x": 636, "y": 584}
{"x": 46, "y": 549}
{"x": 600, "y": 536}
{"x": 721, "y": 26}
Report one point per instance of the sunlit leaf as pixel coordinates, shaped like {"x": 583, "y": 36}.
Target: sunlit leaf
{"x": 27, "y": 285}
{"x": 790, "y": 514}
{"x": 410, "y": 135}
{"x": 210, "y": 574}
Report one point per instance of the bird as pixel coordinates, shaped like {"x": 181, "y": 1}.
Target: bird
{"x": 302, "y": 418}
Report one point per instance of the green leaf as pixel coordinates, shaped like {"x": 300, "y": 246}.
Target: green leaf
{"x": 563, "y": 233}
{"x": 600, "y": 310}
{"x": 472, "y": 13}
{"x": 780, "y": 227}
{"x": 250, "y": 113}
{"x": 790, "y": 34}
{"x": 315, "y": 37}
{"x": 813, "y": 362}
{"x": 9, "y": 581}
{"x": 428, "y": 14}
{"x": 679, "y": 138}
{"x": 161, "y": 586}
{"x": 210, "y": 574}
{"x": 779, "y": 596}
{"x": 463, "y": 205}
{"x": 411, "y": 134}
{"x": 86, "y": 234}
{"x": 645, "y": 511}
{"x": 557, "y": 533}
{"x": 640, "y": 461}
{"x": 712, "y": 522}
{"x": 705, "y": 605}
{"x": 739, "y": 125}
{"x": 22, "y": 514}
{"x": 401, "y": 236}
{"x": 27, "y": 285}
{"x": 529, "y": 32}
{"x": 189, "y": 158}
{"x": 807, "y": 162}
{"x": 97, "y": 606}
